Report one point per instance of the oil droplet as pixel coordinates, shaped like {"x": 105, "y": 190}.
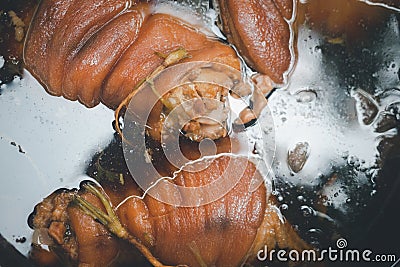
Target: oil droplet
{"x": 307, "y": 211}
{"x": 284, "y": 207}
{"x": 315, "y": 231}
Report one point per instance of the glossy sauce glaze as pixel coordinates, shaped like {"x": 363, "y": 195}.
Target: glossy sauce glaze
{"x": 336, "y": 131}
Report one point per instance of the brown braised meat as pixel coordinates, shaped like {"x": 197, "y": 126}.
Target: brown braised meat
{"x": 347, "y": 21}
{"x": 260, "y": 31}
{"x": 207, "y": 235}
{"x": 100, "y": 50}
